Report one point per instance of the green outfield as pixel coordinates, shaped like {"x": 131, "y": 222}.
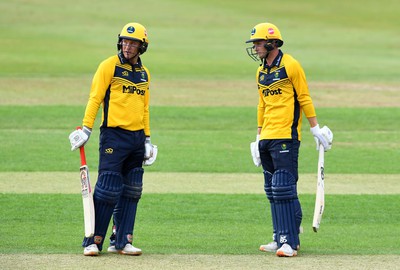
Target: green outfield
{"x": 203, "y": 205}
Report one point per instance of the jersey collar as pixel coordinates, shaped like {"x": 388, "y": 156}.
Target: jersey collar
{"x": 123, "y": 60}
{"x": 276, "y": 62}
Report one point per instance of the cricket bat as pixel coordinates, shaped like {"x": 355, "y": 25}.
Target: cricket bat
{"x": 320, "y": 195}
{"x": 87, "y": 195}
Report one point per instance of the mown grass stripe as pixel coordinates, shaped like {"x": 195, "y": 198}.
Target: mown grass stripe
{"x": 204, "y": 224}
{"x": 221, "y": 183}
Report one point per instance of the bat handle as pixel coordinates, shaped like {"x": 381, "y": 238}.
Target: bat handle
{"x": 83, "y": 156}
{"x": 82, "y": 152}
{"x": 321, "y": 148}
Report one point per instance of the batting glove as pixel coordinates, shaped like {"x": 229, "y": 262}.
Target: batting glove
{"x": 150, "y": 152}
{"x": 323, "y": 136}
{"x": 148, "y": 148}
{"x": 79, "y": 137}
{"x": 152, "y": 159}
{"x": 255, "y": 152}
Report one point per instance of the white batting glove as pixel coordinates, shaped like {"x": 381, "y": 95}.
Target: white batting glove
{"x": 150, "y": 152}
{"x": 323, "y": 136}
{"x": 148, "y": 148}
{"x": 150, "y": 160}
{"x": 255, "y": 152}
{"x": 79, "y": 137}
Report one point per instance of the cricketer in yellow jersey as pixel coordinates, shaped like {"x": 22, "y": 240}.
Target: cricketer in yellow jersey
{"x": 283, "y": 96}
{"x": 121, "y": 86}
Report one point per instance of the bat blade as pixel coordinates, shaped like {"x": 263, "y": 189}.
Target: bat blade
{"x": 87, "y": 199}
{"x": 87, "y": 196}
{"x": 320, "y": 194}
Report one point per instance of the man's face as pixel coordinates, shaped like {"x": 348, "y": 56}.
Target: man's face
{"x": 130, "y": 48}
{"x": 259, "y": 47}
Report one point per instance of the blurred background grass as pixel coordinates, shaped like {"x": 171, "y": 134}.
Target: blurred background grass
{"x": 201, "y": 139}
{"x": 335, "y": 41}
{"x": 49, "y": 51}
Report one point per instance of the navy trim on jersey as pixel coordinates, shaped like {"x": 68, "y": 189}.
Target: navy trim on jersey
{"x": 296, "y": 117}
{"x": 270, "y": 78}
{"x": 137, "y": 75}
{"x": 106, "y": 106}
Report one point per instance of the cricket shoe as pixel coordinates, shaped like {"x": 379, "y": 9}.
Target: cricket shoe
{"x": 286, "y": 251}
{"x": 130, "y": 250}
{"x": 91, "y": 250}
{"x": 112, "y": 249}
{"x": 270, "y": 247}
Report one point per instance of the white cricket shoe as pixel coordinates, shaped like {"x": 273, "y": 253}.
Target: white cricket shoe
{"x": 130, "y": 250}
{"x": 91, "y": 250}
{"x": 286, "y": 251}
{"x": 270, "y": 247}
{"x": 112, "y": 249}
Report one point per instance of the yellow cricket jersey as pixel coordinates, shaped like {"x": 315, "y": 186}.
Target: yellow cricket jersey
{"x": 123, "y": 91}
{"x": 283, "y": 95}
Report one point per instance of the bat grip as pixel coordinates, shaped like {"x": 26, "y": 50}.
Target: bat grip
{"x": 83, "y": 156}
{"x": 82, "y": 152}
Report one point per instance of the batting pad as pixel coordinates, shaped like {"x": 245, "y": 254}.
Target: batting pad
{"x": 284, "y": 192}
{"x": 268, "y": 192}
{"x": 127, "y": 206}
{"x": 108, "y": 190}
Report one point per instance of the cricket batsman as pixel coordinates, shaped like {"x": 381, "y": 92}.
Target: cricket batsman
{"x": 283, "y": 98}
{"x": 121, "y": 86}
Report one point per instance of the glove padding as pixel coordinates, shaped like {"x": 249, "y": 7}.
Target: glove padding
{"x": 150, "y": 152}
{"x": 79, "y": 137}
{"x": 323, "y": 136}
{"x": 255, "y": 153}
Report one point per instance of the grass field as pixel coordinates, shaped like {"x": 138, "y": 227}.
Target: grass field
{"x": 203, "y": 205}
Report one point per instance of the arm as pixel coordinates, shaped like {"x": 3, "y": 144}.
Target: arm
{"x": 100, "y": 83}
{"x": 299, "y": 81}
{"x": 322, "y": 136}
{"x": 146, "y": 115}
{"x": 313, "y": 121}
{"x": 254, "y": 150}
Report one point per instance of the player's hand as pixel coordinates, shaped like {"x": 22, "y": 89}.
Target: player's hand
{"x": 148, "y": 148}
{"x": 79, "y": 137}
{"x": 255, "y": 153}
{"x": 322, "y": 136}
{"x": 150, "y": 153}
